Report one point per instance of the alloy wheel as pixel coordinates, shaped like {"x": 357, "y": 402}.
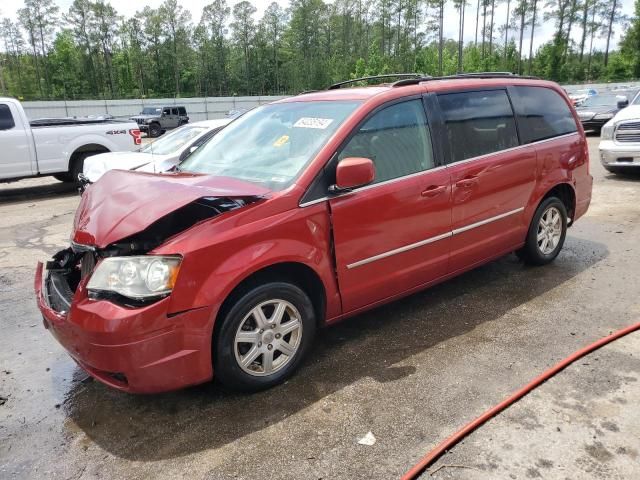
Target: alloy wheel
{"x": 268, "y": 337}
{"x": 549, "y": 230}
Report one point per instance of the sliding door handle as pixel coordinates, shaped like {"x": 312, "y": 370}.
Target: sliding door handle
{"x": 433, "y": 190}
{"x": 467, "y": 182}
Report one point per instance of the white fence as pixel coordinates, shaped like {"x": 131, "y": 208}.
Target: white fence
{"x": 197, "y": 108}
{"x": 202, "y": 108}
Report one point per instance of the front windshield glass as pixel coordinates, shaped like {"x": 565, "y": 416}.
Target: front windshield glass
{"x": 151, "y": 111}
{"x": 172, "y": 142}
{"x": 270, "y": 145}
{"x": 636, "y": 101}
{"x": 610, "y": 100}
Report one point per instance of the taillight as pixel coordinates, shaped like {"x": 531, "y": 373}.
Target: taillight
{"x": 135, "y": 133}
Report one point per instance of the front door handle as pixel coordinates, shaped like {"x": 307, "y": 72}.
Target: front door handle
{"x": 433, "y": 190}
{"x": 467, "y": 182}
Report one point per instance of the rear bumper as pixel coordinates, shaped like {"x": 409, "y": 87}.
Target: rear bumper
{"x": 619, "y": 155}
{"x": 138, "y": 350}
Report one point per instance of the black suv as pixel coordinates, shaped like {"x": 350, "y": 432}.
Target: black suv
{"x": 157, "y": 120}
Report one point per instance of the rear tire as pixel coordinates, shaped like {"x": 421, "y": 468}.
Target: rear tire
{"x": 253, "y": 351}
{"x": 77, "y": 165}
{"x": 546, "y": 234}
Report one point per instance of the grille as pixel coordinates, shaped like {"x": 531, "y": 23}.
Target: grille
{"x": 629, "y": 126}
{"x": 628, "y": 132}
{"x": 87, "y": 264}
{"x": 58, "y": 292}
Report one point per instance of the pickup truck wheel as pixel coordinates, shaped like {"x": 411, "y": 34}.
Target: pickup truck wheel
{"x": 77, "y": 165}
{"x": 264, "y": 337}
{"x": 546, "y": 234}
{"x": 154, "y": 130}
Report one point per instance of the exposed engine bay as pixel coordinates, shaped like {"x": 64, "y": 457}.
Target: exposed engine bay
{"x": 70, "y": 266}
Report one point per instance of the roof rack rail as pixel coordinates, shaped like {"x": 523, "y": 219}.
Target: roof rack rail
{"x": 415, "y": 81}
{"x": 335, "y": 86}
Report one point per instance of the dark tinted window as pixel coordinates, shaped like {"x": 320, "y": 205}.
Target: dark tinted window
{"x": 478, "y": 123}
{"x": 396, "y": 139}
{"x": 174, "y": 111}
{"x": 166, "y": 111}
{"x": 182, "y": 110}
{"x": 542, "y": 113}
{"x": 6, "y": 119}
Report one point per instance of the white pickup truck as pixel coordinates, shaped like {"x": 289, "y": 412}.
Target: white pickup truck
{"x": 56, "y": 147}
{"x": 620, "y": 140}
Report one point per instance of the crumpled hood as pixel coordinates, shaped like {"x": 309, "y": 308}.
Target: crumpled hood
{"x": 123, "y": 203}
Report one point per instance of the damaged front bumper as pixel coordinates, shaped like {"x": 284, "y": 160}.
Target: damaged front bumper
{"x": 139, "y": 350}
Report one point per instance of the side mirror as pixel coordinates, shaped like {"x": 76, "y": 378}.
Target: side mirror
{"x": 622, "y": 101}
{"x": 354, "y": 172}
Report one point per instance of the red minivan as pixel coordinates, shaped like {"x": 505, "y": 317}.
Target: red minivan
{"x": 307, "y": 211}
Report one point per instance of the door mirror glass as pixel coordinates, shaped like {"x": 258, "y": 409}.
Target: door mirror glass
{"x": 354, "y": 172}
{"x": 622, "y": 101}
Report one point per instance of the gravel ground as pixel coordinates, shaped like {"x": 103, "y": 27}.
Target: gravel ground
{"x": 411, "y": 372}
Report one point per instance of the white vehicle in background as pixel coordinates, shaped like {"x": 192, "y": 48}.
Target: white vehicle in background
{"x": 579, "y": 96}
{"x": 159, "y": 156}
{"x": 620, "y": 140}
{"x": 56, "y": 146}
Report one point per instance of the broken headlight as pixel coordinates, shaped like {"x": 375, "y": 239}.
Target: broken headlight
{"x": 137, "y": 277}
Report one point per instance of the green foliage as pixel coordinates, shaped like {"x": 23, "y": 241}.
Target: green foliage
{"x": 91, "y": 51}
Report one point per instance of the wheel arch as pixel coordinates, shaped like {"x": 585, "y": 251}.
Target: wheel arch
{"x": 87, "y": 148}
{"x": 567, "y": 195}
{"x": 292, "y": 272}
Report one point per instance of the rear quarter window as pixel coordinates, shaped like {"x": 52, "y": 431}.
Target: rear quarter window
{"x": 6, "y": 119}
{"x": 478, "y": 123}
{"x": 542, "y": 113}
{"x": 182, "y": 110}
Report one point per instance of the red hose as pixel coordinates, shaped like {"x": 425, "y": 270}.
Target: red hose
{"x": 447, "y": 444}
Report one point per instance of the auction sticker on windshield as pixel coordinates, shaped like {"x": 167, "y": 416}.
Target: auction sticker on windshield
{"x": 311, "y": 122}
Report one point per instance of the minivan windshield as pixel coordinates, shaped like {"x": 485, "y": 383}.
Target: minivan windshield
{"x": 151, "y": 111}
{"x": 172, "y": 142}
{"x": 272, "y": 144}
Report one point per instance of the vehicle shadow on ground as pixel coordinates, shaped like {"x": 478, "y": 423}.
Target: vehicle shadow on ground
{"x": 624, "y": 176}
{"x": 155, "y": 427}
{"x": 19, "y": 193}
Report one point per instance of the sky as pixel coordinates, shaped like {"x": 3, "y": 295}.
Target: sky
{"x": 543, "y": 33}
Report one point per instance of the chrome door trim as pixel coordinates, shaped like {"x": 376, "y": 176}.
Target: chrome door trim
{"x": 511, "y": 149}
{"x": 441, "y": 167}
{"x": 484, "y": 222}
{"x": 373, "y": 185}
{"x": 427, "y": 241}
{"x": 398, "y": 250}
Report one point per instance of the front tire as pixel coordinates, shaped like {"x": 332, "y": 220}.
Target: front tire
{"x": 155, "y": 130}
{"x": 263, "y": 337}
{"x": 546, "y": 234}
